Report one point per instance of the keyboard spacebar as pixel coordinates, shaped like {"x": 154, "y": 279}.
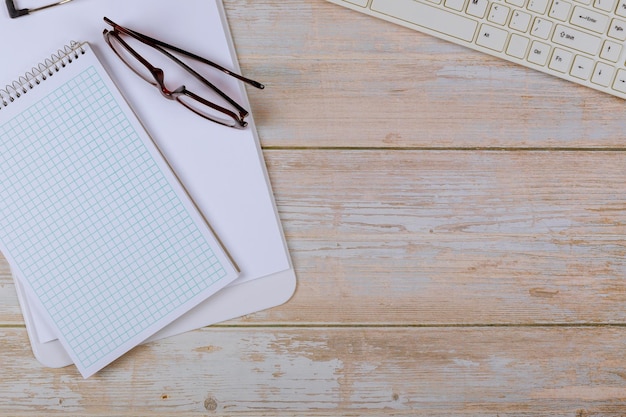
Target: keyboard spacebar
{"x": 428, "y": 17}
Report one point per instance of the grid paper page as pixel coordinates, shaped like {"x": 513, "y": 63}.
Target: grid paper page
{"x": 104, "y": 239}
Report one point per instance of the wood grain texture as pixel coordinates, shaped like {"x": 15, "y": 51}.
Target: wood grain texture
{"x": 339, "y": 78}
{"x": 337, "y": 371}
{"x": 457, "y": 227}
{"x": 446, "y": 237}
{"x": 455, "y": 237}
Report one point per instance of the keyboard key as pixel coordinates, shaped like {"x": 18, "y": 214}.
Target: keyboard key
{"x": 455, "y": 4}
{"x": 620, "y": 81}
{"x": 582, "y": 67}
{"x": 611, "y": 51}
{"x": 539, "y": 52}
{"x": 541, "y": 28}
{"x": 617, "y": 29}
{"x": 498, "y": 14}
{"x": 537, "y": 6}
{"x": 520, "y": 21}
{"x": 518, "y": 3}
{"x": 492, "y": 37}
{"x": 606, "y": 5}
{"x": 602, "y": 74}
{"x": 477, "y": 8}
{"x": 517, "y": 46}
{"x": 561, "y": 60}
{"x": 575, "y": 39}
{"x": 621, "y": 8}
{"x": 428, "y": 17}
{"x": 560, "y": 10}
{"x": 589, "y": 19}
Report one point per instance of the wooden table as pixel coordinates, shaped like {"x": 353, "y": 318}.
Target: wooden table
{"x": 456, "y": 223}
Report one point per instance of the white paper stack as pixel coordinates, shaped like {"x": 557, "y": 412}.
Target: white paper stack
{"x": 222, "y": 169}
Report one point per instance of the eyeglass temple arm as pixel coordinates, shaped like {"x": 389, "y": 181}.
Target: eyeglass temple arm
{"x": 15, "y": 12}
{"x": 203, "y": 60}
{"x": 186, "y": 53}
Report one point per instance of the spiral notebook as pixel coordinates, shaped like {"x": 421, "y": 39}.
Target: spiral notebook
{"x": 106, "y": 240}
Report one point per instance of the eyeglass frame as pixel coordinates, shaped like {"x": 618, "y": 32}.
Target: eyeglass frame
{"x": 159, "y": 77}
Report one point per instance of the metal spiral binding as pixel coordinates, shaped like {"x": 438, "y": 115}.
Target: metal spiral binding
{"x": 40, "y": 73}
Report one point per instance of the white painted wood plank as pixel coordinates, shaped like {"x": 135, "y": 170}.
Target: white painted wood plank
{"x": 421, "y": 237}
{"x": 336, "y": 371}
{"x": 338, "y": 78}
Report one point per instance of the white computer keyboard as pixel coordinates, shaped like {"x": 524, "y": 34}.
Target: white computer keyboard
{"x": 578, "y": 40}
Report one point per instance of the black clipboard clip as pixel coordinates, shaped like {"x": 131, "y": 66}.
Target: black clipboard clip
{"x": 15, "y": 12}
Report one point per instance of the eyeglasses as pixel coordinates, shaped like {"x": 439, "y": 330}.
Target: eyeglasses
{"x": 204, "y": 107}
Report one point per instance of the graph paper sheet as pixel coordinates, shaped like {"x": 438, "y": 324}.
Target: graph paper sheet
{"x": 109, "y": 245}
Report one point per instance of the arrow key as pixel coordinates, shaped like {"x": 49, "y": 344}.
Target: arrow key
{"x": 620, "y": 81}
{"x": 582, "y": 67}
{"x": 611, "y": 51}
{"x": 603, "y": 74}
